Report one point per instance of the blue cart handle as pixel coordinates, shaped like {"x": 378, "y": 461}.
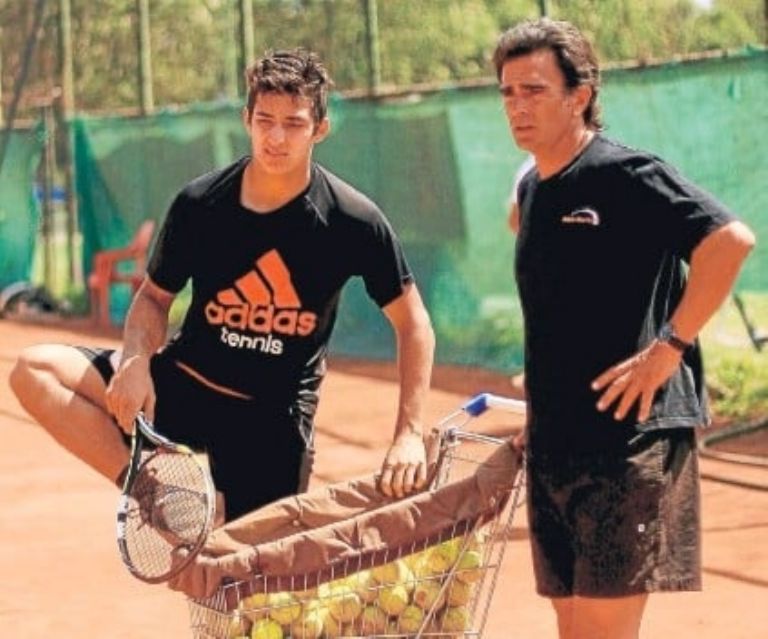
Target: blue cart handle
{"x": 482, "y": 402}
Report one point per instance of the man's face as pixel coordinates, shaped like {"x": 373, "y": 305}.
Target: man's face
{"x": 283, "y": 132}
{"x": 539, "y": 108}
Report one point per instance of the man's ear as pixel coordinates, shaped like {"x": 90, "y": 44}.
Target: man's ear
{"x": 246, "y": 119}
{"x": 322, "y": 130}
{"x": 581, "y": 96}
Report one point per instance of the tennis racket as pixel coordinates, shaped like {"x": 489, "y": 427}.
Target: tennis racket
{"x": 167, "y": 506}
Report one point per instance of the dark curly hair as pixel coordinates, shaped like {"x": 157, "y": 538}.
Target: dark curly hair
{"x": 295, "y": 72}
{"x": 573, "y": 52}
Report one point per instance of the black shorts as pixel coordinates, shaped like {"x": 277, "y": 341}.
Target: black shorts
{"x": 617, "y": 525}
{"x": 257, "y": 453}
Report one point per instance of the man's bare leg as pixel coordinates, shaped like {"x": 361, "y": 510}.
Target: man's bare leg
{"x": 64, "y": 393}
{"x": 593, "y": 618}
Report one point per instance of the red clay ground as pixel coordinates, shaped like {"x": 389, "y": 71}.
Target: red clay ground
{"x": 62, "y": 577}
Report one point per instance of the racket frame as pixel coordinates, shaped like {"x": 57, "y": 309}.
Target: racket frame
{"x": 144, "y": 431}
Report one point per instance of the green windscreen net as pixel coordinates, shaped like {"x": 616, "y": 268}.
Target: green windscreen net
{"x": 441, "y": 166}
{"x": 19, "y": 212}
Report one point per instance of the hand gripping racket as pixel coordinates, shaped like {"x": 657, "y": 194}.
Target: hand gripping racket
{"x": 167, "y": 506}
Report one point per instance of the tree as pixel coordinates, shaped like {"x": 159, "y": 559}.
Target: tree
{"x": 193, "y": 41}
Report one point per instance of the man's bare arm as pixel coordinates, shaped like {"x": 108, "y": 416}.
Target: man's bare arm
{"x": 146, "y": 326}
{"x": 404, "y": 466}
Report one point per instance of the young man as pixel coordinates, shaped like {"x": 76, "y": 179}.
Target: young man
{"x": 613, "y": 371}
{"x": 268, "y": 243}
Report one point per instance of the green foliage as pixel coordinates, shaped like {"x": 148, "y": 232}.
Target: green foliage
{"x": 195, "y": 51}
{"x": 737, "y": 374}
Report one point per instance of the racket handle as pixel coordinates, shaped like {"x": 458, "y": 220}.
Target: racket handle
{"x": 148, "y": 430}
{"x": 482, "y": 402}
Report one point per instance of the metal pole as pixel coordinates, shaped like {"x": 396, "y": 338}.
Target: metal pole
{"x": 48, "y": 169}
{"x": 146, "y": 96}
{"x": 1, "y": 78}
{"x": 765, "y": 22}
{"x": 65, "y": 113}
{"x": 370, "y": 11}
{"x": 21, "y": 79}
{"x": 245, "y": 37}
{"x": 66, "y": 61}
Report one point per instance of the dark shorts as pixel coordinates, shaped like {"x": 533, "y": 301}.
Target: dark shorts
{"x": 617, "y": 525}
{"x": 257, "y": 453}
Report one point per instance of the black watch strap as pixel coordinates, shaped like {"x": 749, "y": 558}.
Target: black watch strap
{"x": 667, "y": 334}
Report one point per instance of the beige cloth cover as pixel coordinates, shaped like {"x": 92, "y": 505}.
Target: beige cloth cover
{"x": 307, "y": 535}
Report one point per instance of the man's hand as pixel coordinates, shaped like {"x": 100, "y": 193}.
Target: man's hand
{"x": 130, "y": 391}
{"x": 405, "y": 466}
{"x": 637, "y": 379}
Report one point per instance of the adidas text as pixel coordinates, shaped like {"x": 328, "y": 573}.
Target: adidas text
{"x": 261, "y": 319}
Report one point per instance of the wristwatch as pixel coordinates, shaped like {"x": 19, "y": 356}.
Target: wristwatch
{"x": 667, "y": 334}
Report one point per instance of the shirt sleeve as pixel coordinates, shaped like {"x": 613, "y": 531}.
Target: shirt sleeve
{"x": 682, "y": 212}
{"x": 382, "y": 263}
{"x": 170, "y": 264}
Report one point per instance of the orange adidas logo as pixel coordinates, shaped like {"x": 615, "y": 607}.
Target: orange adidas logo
{"x": 263, "y": 301}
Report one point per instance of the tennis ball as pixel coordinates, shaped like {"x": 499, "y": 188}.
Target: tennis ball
{"x": 411, "y": 619}
{"x": 443, "y": 556}
{"x": 388, "y": 574}
{"x": 306, "y": 594}
{"x": 365, "y": 586}
{"x": 420, "y": 567}
{"x": 459, "y": 593}
{"x": 455, "y": 619}
{"x": 309, "y": 625}
{"x": 468, "y": 568}
{"x": 393, "y": 599}
{"x": 344, "y": 603}
{"x": 407, "y": 578}
{"x": 238, "y": 626}
{"x": 266, "y": 629}
{"x": 284, "y": 608}
{"x": 332, "y": 628}
{"x": 255, "y": 607}
{"x": 373, "y": 621}
{"x": 427, "y": 594}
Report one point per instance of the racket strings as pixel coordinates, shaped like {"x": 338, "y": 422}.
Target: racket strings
{"x": 170, "y": 509}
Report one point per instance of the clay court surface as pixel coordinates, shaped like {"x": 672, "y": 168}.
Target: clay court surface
{"x": 60, "y": 574}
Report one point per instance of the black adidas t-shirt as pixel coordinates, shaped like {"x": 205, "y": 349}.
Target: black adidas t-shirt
{"x": 600, "y": 267}
{"x": 266, "y": 287}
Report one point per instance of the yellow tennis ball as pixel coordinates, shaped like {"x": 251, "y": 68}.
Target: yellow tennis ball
{"x": 305, "y": 594}
{"x": 427, "y": 594}
{"x": 469, "y": 567}
{"x": 331, "y": 627}
{"x": 373, "y": 621}
{"x": 443, "y": 556}
{"x": 387, "y": 574}
{"x": 393, "y": 599}
{"x": 455, "y": 619}
{"x": 238, "y": 626}
{"x": 309, "y": 625}
{"x": 364, "y": 585}
{"x": 411, "y": 619}
{"x": 344, "y": 603}
{"x": 266, "y": 629}
{"x": 284, "y": 608}
{"x": 407, "y": 578}
{"x": 255, "y": 607}
{"x": 459, "y": 593}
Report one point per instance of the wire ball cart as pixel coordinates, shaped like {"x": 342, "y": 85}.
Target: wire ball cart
{"x": 346, "y": 561}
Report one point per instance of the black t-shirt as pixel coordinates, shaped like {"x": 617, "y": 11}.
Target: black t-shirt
{"x": 600, "y": 267}
{"x": 266, "y": 287}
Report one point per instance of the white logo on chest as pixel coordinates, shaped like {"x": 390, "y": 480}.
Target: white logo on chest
{"x": 582, "y": 216}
